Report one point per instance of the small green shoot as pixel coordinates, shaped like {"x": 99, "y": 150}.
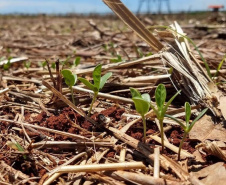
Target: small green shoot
{"x": 139, "y": 52}
{"x": 77, "y": 61}
{"x": 70, "y": 80}
{"x": 118, "y": 59}
{"x": 98, "y": 83}
{"x": 42, "y": 64}
{"x": 16, "y": 146}
{"x": 187, "y": 127}
{"x": 220, "y": 65}
{"x": 142, "y": 105}
{"x": 27, "y": 64}
{"x": 53, "y": 65}
{"x": 160, "y": 97}
{"x": 8, "y": 64}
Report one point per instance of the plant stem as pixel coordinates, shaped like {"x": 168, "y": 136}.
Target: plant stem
{"x": 72, "y": 95}
{"x": 181, "y": 144}
{"x": 162, "y": 135}
{"x": 145, "y": 128}
{"x": 94, "y": 99}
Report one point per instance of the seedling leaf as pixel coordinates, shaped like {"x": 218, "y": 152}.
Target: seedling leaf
{"x": 77, "y": 61}
{"x": 87, "y": 83}
{"x": 97, "y": 76}
{"x": 176, "y": 120}
{"x": 70, "y": 79}
{"x": 142, "y": 106}
{"x": 187, "y": 112}
{"x": 160, "y": 96}
{"x": 146, "y": 97}
{"x": 135, "y": 93}
{"x": 170, "y": 101}
{"x": 197, "y": 118}
{"x": 104, "y": 79}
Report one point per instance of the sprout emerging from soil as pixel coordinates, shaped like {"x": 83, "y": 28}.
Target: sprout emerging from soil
{"x": 70, "y": 80}
{"x": 98, "y": 83}
{"x": 142, "y": 104}
{"x": 187, "y": 127}
{"x": 160, "y": 111}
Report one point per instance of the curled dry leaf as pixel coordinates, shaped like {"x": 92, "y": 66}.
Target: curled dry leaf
{"x": 213, "y": 149}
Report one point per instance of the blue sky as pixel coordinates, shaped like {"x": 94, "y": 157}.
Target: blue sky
{"x": 95, "y": 6}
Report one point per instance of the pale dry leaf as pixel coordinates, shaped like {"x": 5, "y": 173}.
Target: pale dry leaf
{"x": 205, "y": 129}
{"x": 214, "y": 174}
{"x": 222, "y": 106}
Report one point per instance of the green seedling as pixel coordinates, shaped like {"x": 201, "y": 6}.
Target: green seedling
{"x": 220, "y": 65}
{"x": 77, "y": 61}
{"x": 70, "y": 80}
{"x": 42, "y": 64}
{"x": 8, "y": 64}
{"x": 27, "y": 64}
{"x": 118, "y": 59}
{"x": 98, "y": 83}
{"x": 16, "y": 146}
{"x": 188, "y": 126}
{"x": 53, "y": 65}
{"x": 139, "y": 52}
{"x": 142, "y": 105}
{"x": 160, "y": 110}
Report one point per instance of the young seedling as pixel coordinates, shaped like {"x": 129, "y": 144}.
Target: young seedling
{"x": 77, "y": 61}
{"x": 27, "y": 64}
{"x": 98, "y": 83}
{"x": 8, "y": 64}
{"x": 160, "y": 97}
{"x": 187, "y": 127}
{"x": 70, "y": 80}
{"x": 142, "y": 105}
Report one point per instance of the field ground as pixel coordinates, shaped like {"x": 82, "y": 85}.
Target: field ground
{"x": 39, "y": 132}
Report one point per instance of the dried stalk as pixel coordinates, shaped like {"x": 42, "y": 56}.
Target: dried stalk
{"x": 104, "y": 95}
{"x": 172, "y": 147}
{"x": 102, "y": 167}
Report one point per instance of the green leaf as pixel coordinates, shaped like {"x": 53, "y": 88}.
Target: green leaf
{"x": 197, "y": 118}
{"x": 104, "y": 79}
{"x": 176, "y": 120}
{"x": 135, "y": 93}
{"x": 27, "y": 64}
{"x": 87, "y": 83}
{"x": 97, "y": 76}
{"x": 77, "y": 61}
{"x": 146, "y": 97}
{"x": 53, "y": 65}
{"x": 141, "y": 105}
{"x": 187, "y": 112}
{"x": 160, "y": 96}
{"x": 220, "y": 65}
{"x": 155, "y": 110}
{"x": 169, "y": 102}
{"x": 70, "y": 79}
